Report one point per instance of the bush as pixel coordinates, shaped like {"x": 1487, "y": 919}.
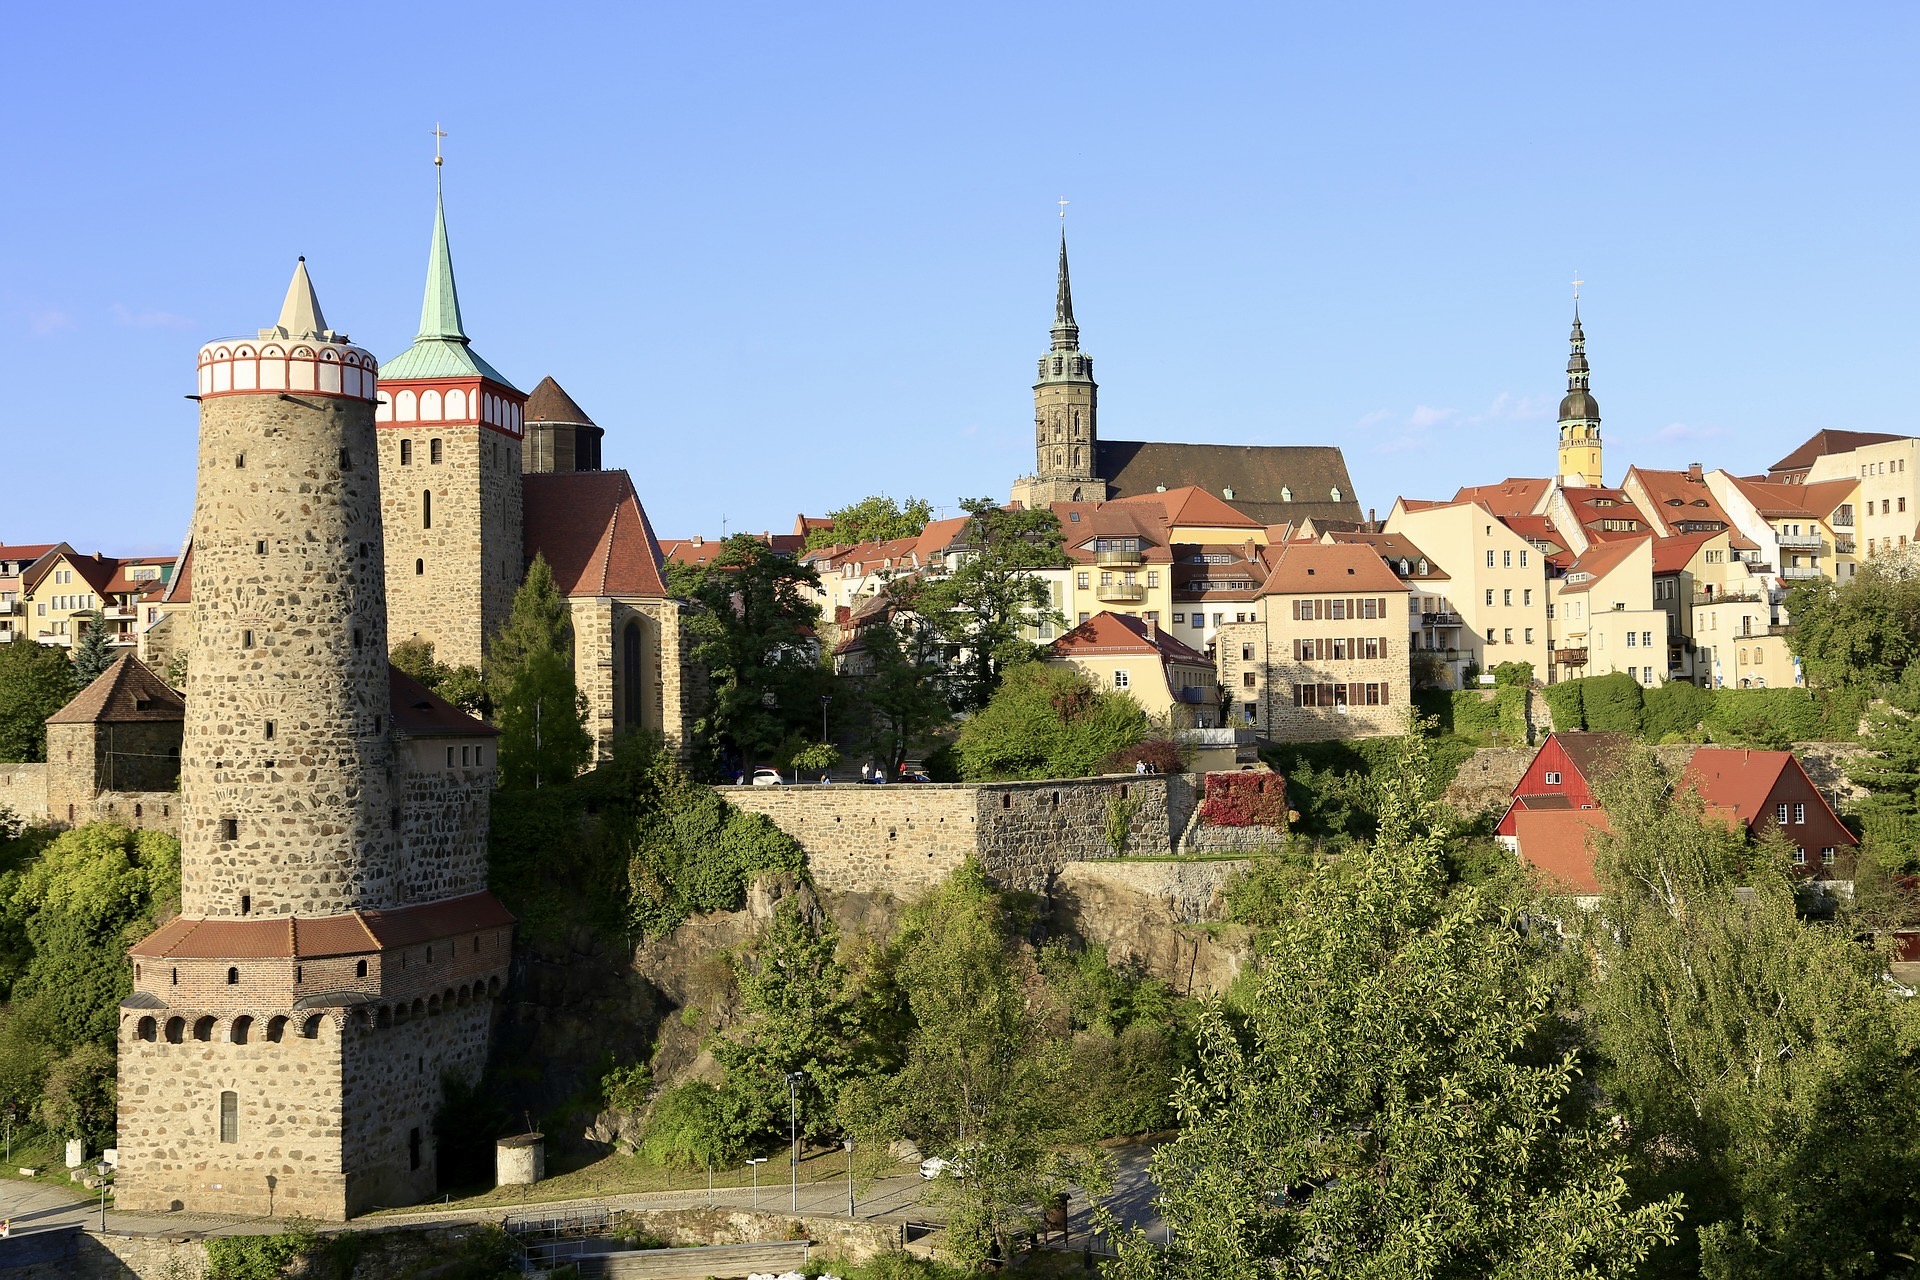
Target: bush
{"x": 1674, "y": 708}
{"x": 1047, "y": 721}
{"x": 1161, "y": 754}
{"x": 1513, "y": 674}
{"x": 1565, "y": 705}
{"x": 1612, "y": 703}
{"x": 1474, "y": 714}
{"x": 697, "y": 1126}
{"x": 1766, "y": 718}
{"x": 258, "y": 1257}
{"x": 626, "y": 1088}
{"x": 1245, "y": 800}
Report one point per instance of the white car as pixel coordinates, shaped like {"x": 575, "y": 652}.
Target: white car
{"x": 768, "y": 778}
{"x": 939, "y": 1167}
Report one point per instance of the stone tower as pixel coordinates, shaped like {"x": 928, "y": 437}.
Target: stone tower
{"x": 336, "y": 952}
{"x": 1579, "y": 419}
{"x": 560, "y": 435}
{"x": 450, "y": 441}
{"x": 1066, "y": 409}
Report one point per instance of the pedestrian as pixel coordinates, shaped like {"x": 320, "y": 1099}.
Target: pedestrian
{"x": 866, "y": 771}
{"x": 1139, "y": 766}
{"x": 824, "y": 780}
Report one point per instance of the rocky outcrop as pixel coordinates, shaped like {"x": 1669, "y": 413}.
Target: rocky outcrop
{"x": 1162, "y": 917}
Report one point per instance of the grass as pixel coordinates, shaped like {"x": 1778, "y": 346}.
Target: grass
{"x": 618, "y": 1174}
{"x": 35, "y": 1148}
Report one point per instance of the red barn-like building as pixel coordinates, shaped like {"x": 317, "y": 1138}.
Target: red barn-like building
{"x": 1562, "y": 775}
{"x": 1758, "y": 791}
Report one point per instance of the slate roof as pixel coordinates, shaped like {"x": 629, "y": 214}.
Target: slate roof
{"x": 550, "y": 403}
{"x": 1255, "y": 473}
{"x": 128, "y": 692}
{"x": 1559, "y": 843}
{"x": 419, "y": 712}
{"x": 1822, "y": 443}
{"x": 291, "y": 938}
{"x": 594, "y": 533}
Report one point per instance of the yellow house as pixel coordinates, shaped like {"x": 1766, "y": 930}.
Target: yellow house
{"x": 1497, "y": 589}
{"x": 1605, "y": 618}
{"x": 1173, "y": 683}
{"x": 59, "y": 590}
{"x": 1119, "y": 562}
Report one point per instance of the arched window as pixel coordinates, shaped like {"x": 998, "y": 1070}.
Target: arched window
{"x": 310, "y": 1029}
{"x": 146, "y": 1029}
{"x": 419, "y": 568}
{"x": 631, "y": 667}
{"x": 426, "y": 509}
{"x": 242, "y": 1030}
{"x": 233, "y": 977}
{"x": 360, "y": 969}
{"x": 430, "y": 406}
{"x": 203, "y": 1029}
{"x": 276, "y": 1028}
{"x": 176, "y": 1030}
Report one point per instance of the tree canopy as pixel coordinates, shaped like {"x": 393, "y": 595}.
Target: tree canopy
{"x": 463, "y": 686}
{"x": 538, "y": 705}
{"x": 35, "y": 681}
{"x": 539, "y": 622}
{"x": 91, "y": 653}
{"x": 1863, "y": 632}
{"x": 873, "y": 519}
{"x": 1048, "y": 721}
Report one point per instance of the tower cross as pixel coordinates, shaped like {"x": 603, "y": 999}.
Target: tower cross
{"x": 1063, "y": 203}
{"x": 438, "y": 133}
{"x": 1577, "y": 282}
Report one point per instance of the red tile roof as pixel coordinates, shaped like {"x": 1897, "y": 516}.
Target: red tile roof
{"x": 1190, "y": 506}
{"x": 1822, "y": 443}
{"x": 419, "y": 712}
{"x": 1316, "y": 567}
{"x": 1112, "y": 635}
{"x": 27, "y": 552}
{"x": 1394, "y": 548}
{"x": 1559, "y": 843}
{"x": 1735, "y": 784}
{"x": 1601, "y": 559}
{"x": 594, "y": 533}
{"x": 1671, "y": 555}
{"x": 1815, "y": 501}
{"x": 550, "y": 403}
{"x": 180, "y": 589}
{"x": 127, "y": 692}
{"x": 355, "y": 932}
{"x": 1514, "y": 496}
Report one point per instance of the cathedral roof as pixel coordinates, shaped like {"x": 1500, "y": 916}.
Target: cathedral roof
{"x": 550, "y": 403}
{"x": 126, "y": 692}
{"x": 593, "y": 532}
{"x": 1272, "y": 483}
{"x": 441, "y": 348}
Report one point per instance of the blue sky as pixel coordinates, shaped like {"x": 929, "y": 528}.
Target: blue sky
{"x": 790, "y": 255}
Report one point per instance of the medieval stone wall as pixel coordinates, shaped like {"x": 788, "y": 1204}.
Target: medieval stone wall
{"x": 287, "y": 766}
{"x": 141, "y": 810}
{"x": 84, "y": 760}
{"x": 450, "y": 581}
{"x": 23, "y": 789}
{"x": 445, "y": 797}
{"x": 392, "y": 1089}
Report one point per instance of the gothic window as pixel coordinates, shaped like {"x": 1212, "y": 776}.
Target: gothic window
{"x": 1059, "y": 458}
{"x": 1076, "y": 458}
{"x": 631, "y": 658}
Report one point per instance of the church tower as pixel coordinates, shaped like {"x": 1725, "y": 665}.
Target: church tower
{"x": 1579, "y": 419}
{"x": 450, "y": 441}
{"x": 1066, "y": 405}
{"x": 336, "y": 952}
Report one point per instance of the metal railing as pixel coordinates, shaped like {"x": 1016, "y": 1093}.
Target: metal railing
{"x": 1802, "y": 571}
{"x": 1122, "y": 592}
{"x": 1122, "y": 558}
{"x": 1798, "y": 540}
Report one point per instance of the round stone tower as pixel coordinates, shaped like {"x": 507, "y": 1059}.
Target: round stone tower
{"x": 288, "y": 796}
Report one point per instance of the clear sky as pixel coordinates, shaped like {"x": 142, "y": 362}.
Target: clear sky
{"x": 789, "y": 255}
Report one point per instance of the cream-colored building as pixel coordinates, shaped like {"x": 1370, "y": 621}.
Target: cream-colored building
{"x": 1804, "y": 531}
{"x": 1887, "y": 506}
{"x": 1173, "y": 683}
{"x": 1739, "y": 645}
{"x": 1497, "y": 581}
{"x": 1605, "y": 618}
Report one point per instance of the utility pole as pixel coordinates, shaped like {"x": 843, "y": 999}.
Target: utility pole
{"x": 793, "y": 1138}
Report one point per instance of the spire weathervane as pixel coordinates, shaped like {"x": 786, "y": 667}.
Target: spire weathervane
{"x": 1063, "y": 203}
{"x": 438, "y": 133}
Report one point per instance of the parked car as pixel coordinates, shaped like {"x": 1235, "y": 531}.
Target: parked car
{"x": 767, "y": 778}
{"x": 938, "y": 1166}
{"x": 915, "y": 777}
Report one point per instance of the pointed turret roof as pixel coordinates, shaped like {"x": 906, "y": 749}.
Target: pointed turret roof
{"x": 550, "y": 403}
{"x": 300, "y": 313}
{"x": 441, "y": 348}
{"x": 1578, "y": 404}
{"x": 1066, "y": 333}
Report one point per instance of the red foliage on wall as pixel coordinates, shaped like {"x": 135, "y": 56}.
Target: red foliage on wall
{"x": 1245, "y": 800}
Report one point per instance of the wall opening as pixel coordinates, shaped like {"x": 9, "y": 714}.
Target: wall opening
{"x": 229, "y": 1116}
{"x": 242, "y": 1030}
{"x": 413, "y": 1148}
{"x": 631, "y": 665}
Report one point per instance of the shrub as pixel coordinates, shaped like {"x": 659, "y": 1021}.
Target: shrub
{"x": 1566, "y": 706}
{"x": 1245, "y": 800}
{"x": 258, "y": 1257}
{"x": 1612, "y": 703}
{"x": 1765, "y": 718}
{"x": 1674, "y": 708}
{"x": 1047, "y": 722}
{"x": 1161, "y": 754}
{"x": 1513, "y": 674}
{"x": 626, "y": 1088}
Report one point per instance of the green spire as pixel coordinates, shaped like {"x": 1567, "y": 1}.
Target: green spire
{"x": 440, "y": 312}
{"x": 1066, "y": 334}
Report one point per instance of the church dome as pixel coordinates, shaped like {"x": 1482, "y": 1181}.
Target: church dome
{"x": 1579, "y": 405}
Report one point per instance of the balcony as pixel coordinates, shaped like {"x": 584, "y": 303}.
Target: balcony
{"x": 1802, "y": 572}
{"x": 1800, "y": 541}
{"x": 1570, "y": 657}
{"x": 1119, "y": 559}
{"x": 1751, "y": 594}
{"x": 1844, "y": 548}
{"x": 120, "y": 613}
{"x": 1439, "y": 619}
{"x": 1120, "y": 593}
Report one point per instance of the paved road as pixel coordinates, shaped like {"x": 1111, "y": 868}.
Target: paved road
{"x": 34, "y": 1206}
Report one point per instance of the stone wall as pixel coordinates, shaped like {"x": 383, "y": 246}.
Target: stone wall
{"x": 23, "y": 789}
{"x": 444, "y": 812}
{"x": 1486, "y": 779}
{"x": 900, "y": 839}
{"x": 1265, "y": 651}
{"x": 665, "y": 700}
{"x": 392, "y": 1088}
{"x": 1826, "y": 764}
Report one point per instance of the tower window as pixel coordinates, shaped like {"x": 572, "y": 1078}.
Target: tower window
{"x": 260, "y": 546}
{"x": 360, "y": 969}
{"x": 419, "y": 568}
{"x": 233, "y": 977}
{"x": 246, "y": 904}
{"x": 229, "y": 1116}
{"x": 406, "y": 453}
{"x": 379, "y": 724}
{"x": 346, "y": 460}
{"x": 269, "y": 731}
{"x": 229, "y": 829}
{"x": 433, "y": 452}
{"x": 356, "y": 637}
{"x": 426, "y": 509}
{"x": 413, "y": 1148}
{"x": 239, "y": 462}
{"x": 246, "y": 639}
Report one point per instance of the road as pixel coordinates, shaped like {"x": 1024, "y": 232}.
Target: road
{"x": 31, "y": 1206}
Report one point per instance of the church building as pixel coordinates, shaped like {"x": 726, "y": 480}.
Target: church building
{"x": 1275, "y": 484}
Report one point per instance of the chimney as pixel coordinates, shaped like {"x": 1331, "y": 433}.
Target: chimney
{"x": 1694, "y": 474}
{"x": 1373, "y": 520}
{"x": 697, "y": 540}
{"x": 1153, "y": 630}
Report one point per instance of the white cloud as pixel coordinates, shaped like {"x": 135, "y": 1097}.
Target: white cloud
{"x": 49, "y": 321}
{"x": 149, "y": 319}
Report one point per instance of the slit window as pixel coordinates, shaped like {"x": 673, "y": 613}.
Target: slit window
{"x": 229, "y": 1116}
{"x": 426, "y": 509}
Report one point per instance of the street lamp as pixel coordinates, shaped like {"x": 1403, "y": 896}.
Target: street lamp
{"x": 793, "y": 1138}
{"x": 754, "y": 1165}
{"x": 103, "y": 1169}
{"x": 825, "y": 698}
{"x": 848, "y": 1144}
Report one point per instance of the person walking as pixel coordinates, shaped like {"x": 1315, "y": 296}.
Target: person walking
{"x": 866, "y": 771}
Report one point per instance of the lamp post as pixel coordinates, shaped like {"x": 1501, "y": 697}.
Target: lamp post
{"x": 754, "y": 1165}
{"x": 848, "y": 1144}
{"x": 825, "y": 698}
{"x": 103, "y": 1169}
{"x": 793, "y": 1138}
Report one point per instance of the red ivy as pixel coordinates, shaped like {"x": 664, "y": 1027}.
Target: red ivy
{"x": 1245, "y": 800}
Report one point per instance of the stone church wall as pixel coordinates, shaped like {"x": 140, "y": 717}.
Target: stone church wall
{"x": 667, "y": 703}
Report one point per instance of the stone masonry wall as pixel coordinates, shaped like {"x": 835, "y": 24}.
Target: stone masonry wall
{"x": 901, "y": 839}
{"x": 85, "y": 760}
{"x": 444, "y": 812}
{"x": 289, "y": 631}
{"x": 23, "y": 789}
{"x": 392, "y": 1086}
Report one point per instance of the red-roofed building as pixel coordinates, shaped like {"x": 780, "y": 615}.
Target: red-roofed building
{"x": 1329, "y": 655}
{"x": 1168, "y": 679}
{"x": 1762, "y": 791}
{"x": 628, "y": 638}
{"x": 1562, "y": 775}
{"x": 1802, "y": 531}
{"x": 1558, "y": 843}
{"x": 1511, "y": 497}
{"x": 15, "y": 560}
{"x": 1494, "y": 606}
{"x": 1796, "y": 466}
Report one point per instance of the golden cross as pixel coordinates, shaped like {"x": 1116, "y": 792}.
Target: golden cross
{"x": 1577, "y": 282}
{"x": 438, "y": 133}
{"x": 1063, "y": 208}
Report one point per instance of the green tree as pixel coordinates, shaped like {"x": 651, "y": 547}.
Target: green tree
{"x": 697, "y": 1125}
{"x": 539, "y": 622}
{"x": 543, "y": 725}
{"x": 1399, "y": 1100}
{"x": 463, "y": 686}
{"x": 1864, "y": 632}
{"x": 900, "y": 694}
{"x": 1756, "y": 1061}
{"x": 91, "y": 654}
{"x": 78, "y": 1098}
{"x": 752, "y": 632}
{"x": 35, "y": 681}
{"x": 873, "y": 519}
{"x": 1890, "y": 771}
{"x": 1048, "y": 721}
{"x": 981, "y": 610}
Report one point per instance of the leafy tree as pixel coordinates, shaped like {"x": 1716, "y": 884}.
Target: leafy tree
{"x": 78, "y": 1098}
{"x": 873, "y": 519}
{"x": 981, "y": 610}
{"x": 463, "y": 686}
{"x": 1612, "y": 703}
{"x": 539, "y": 622}
{"x": 1769, "y": 718}
{"x": 91, "y": 656}
{"x": 1890, "y": 771}
{"x": 900, "y": 694}
{"x": 799, "y": 1016}
{"x": 1565, "y": 704}
{"x": 813, "y": 759}
{"x": 1399, "y": 1101}
{"x": 1757, "y": 1064}
{"x": 543, "y": 725}
{"x": 1863, "y": 632}
{"x": 697, "y": 1125}
{"x": 1048, "y": 721}
{"x": 752, "y": 633}
{"x": 35, "y": 681}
